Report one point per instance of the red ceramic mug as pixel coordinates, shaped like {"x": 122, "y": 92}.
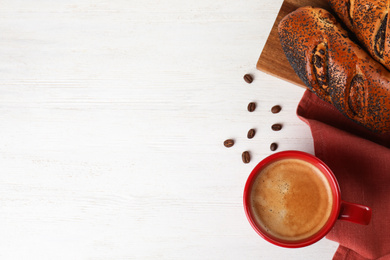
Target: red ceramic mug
{"x": 281, "y": 186}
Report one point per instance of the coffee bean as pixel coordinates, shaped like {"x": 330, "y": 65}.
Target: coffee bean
{"x": 276, "y": 109}
{"x": 276, "y": 127}
{"x": 251, "y": 133}
{"x": 246, "y": 157}
{"x": 251, "y": 106}
{"x": 248, "y": 78}
{"x": 228, "y": 143}
{"x": 273, "y": 146}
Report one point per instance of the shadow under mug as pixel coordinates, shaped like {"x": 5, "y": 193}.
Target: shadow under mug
{"x": 340, "y": 210}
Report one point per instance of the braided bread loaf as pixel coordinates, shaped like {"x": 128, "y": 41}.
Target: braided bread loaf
{"x": 368, "y": 20}
{"x": 335, "y": 68}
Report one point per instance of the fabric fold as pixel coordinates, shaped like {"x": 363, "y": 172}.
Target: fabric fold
{"x": 360, "y": 160}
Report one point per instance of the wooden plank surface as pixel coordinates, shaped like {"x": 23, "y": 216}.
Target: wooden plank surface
{"x": 272, "y": 59}
{"x": 113, "y": 115}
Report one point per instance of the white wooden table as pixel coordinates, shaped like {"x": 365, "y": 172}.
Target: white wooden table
{"x": 113, "y": 114}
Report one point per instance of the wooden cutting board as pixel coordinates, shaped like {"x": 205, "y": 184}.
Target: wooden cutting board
{"x": 272, "y": 59}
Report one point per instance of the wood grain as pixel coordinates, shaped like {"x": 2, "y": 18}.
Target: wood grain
{"x": 113, "y": 115}
{"x": 272, "y": 59}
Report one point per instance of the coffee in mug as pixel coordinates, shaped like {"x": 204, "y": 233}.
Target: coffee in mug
{"x": 292, "y": 199}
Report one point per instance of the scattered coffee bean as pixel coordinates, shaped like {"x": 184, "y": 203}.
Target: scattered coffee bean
{"x": 246, "y": 157}
{"x": 276, "y": 127}
{"x": 251, "y": 106}
{"x": 276, "y": 109}
{"x": 228, "y": 143}
{"x": 248, "y": 78}
{"x": 251, "y": 133}
{"x": 273, "y": 146}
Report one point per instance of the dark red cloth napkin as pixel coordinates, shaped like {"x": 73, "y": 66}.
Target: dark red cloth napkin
{"x": 360, "y": 159}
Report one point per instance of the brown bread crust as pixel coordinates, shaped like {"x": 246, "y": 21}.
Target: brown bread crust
{"x": 368, "y": 20}
{"x": 335, "y": 68}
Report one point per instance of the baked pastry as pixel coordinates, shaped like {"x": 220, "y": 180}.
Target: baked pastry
{"x": 367, "y": 19}
{"x": 335, "y": 68}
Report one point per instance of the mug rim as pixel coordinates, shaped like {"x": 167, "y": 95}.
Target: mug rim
{"x": 332, "y": 182}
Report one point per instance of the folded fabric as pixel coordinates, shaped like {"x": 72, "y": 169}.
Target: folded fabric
{"x": 360, "y": 160}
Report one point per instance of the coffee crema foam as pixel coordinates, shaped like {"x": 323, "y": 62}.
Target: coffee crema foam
{"x": 291, "y": 199}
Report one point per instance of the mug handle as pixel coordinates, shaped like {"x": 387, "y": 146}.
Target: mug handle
{"x": 355, "y": 213}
